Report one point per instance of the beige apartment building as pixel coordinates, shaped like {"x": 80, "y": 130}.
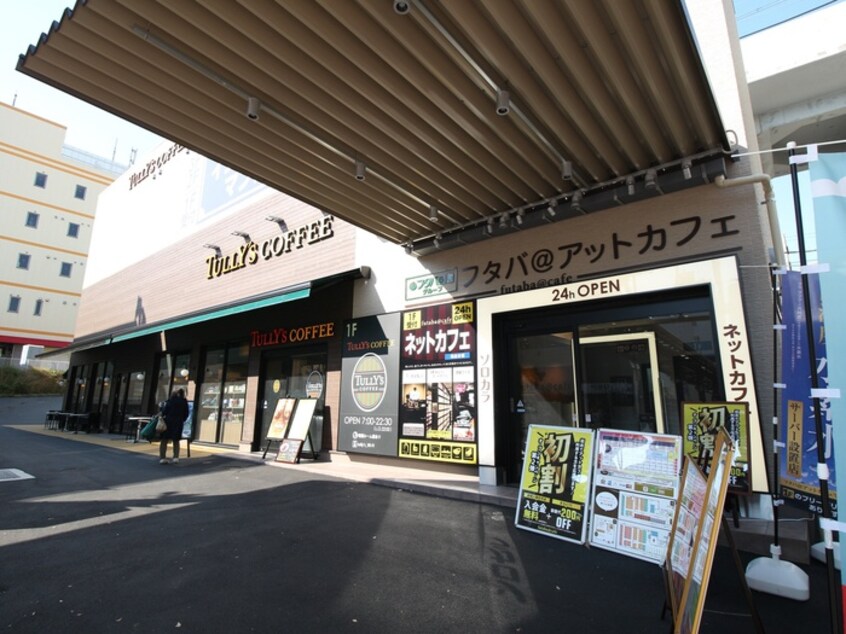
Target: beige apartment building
{"x": 49, "y": 197}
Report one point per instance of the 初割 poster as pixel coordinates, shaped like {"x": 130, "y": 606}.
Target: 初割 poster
{"x": 635, "y": 487}
{"x": 555, "y": 482}
{"x": 700, "y": 424}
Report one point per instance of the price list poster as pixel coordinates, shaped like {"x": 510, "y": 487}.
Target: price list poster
{"x": 635, "y": 488}
{"x": 555, "y": 482}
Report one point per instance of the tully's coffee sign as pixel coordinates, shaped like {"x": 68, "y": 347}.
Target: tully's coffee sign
{"x": 286, "y": 242}
{"x": 154, "y": 165}
{"x": 298, "y": 334}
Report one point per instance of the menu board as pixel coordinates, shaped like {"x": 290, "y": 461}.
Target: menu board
{"x": 702, "y": 421}
{"x": 635, "y": 487}
{"x": 301, "y": 421}
{"x": 289, "y": 450}
{"x": 699, "y": 571}
{"x": 555, "y": 482}
{"x": 281, "y": 417}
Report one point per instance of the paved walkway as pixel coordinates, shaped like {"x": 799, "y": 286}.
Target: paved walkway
{"x": 360, "y": 469}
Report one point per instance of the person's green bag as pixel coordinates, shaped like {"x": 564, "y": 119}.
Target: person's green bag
{"x": 148, "y": 432}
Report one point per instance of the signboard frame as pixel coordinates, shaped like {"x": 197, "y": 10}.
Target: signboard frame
{"x": 289, "y": 450}
{"x": 696, "y": 583}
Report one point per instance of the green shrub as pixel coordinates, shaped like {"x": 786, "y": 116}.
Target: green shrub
{"x": 15, "y": 381}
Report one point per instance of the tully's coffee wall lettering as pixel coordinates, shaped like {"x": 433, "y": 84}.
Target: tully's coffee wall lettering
{"x": 252, "y": 252}
{"x": 154, "y": 165}
{"x": 298, "y": 334}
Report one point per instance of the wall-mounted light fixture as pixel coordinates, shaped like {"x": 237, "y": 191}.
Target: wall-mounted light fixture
{"x": 630, "y": 185}
{"x": 213, "y": 247}
{"x": 408, "y": 248}
{"x": 518, "y": 217}
{"x": 242, "y": 234}
{"x": 433, "y": 213}
{"x": 489, "y": 226}
{"x": 503, "y": 102}
{"x": 550, "y": 209}
{"x": 253, "y": 108}
{"x": 503, "y": 220}
{"x": 279, "y": 221}
{"x": 437, "y": 240}
{"x": 360, "y": 170}
{"x": 686, "y": 170}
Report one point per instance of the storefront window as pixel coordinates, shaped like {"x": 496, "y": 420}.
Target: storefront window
{"x": 222, "y": 395}
{"x": 173, "y": 373}
{"x": 135, "y": 393}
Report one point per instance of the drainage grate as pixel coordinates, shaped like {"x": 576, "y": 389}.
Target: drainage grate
{"x": 13, "y": 474}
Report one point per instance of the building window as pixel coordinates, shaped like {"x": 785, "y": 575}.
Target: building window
{"x": 14, "y": 303}
{"x": 31, "y": 219}
{"x": 67, "y": 267}
{"x": 23, "y": 261}
{"x": 39, "y": 304}
{"x": 40, "y": 179}
{"x": 80, "y": 192}
{"x": 73, "y": 230}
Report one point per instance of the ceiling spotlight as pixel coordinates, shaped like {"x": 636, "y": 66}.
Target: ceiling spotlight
{"x": 360, "y": 169}
{"x": 489, "y": 227}
{"x": 242, "y": 234}
{"x": 518, "y": 218}
{"x": 686, "y": 170}
{"x": 550, "y": 209}
{"x": 649, "y": 180}
{"x": 433, "y": 213}
{"x": 408, "y": 248}
{"x": 576, "y": 200}
{"x": 253, "y": 108}
{"x": 402, "y": 7}
{"x": 437, "y": 240}
{"x": 503, "y": 102}
{"x": 566, "y": 170}
{"x": 630, "y": 185}
{"x": 503, "y": 220}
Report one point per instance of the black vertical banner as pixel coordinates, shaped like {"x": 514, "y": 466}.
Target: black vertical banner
{"x": 369, "y": 385}
{"x": 437, "y": 410}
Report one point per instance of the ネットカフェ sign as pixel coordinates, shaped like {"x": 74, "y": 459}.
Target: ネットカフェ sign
{"x": 286, "y": 242}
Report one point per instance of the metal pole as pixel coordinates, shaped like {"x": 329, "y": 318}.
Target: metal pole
{"x": 822, "y": 468}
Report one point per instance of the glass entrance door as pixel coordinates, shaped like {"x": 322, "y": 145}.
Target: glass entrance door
{"x": 541, "y": 390}
{"x": 619, "y": 382}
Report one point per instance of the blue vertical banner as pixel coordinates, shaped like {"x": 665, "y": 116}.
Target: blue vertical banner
{"x": 828, "y": 190}
{"x": 798, "y": 480}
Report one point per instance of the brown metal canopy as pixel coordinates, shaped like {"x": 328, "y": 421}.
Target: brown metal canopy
{"x": 386, "y": 113}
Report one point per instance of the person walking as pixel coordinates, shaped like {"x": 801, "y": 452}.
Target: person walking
{"x": 175, "y": 412}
